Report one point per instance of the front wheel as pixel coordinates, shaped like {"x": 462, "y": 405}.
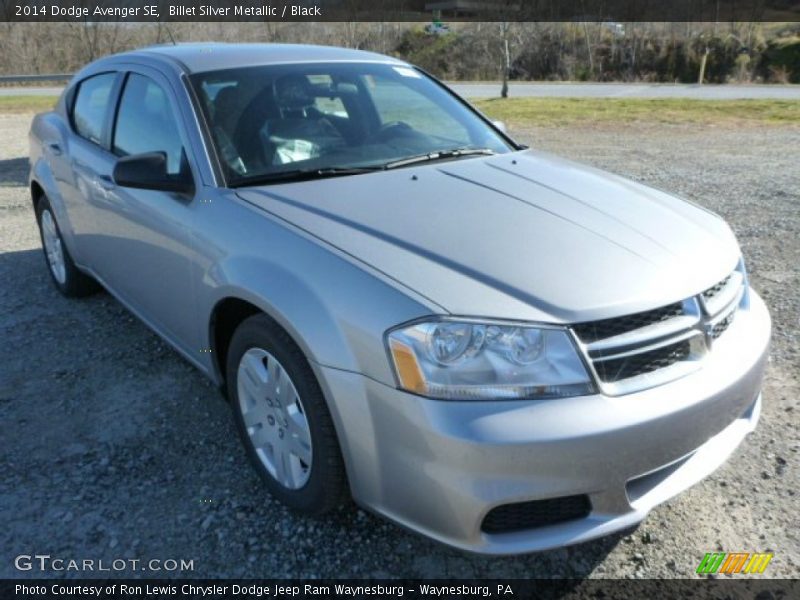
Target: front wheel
{"x": 282, "y": 418}
{"x": 68, "y": 279}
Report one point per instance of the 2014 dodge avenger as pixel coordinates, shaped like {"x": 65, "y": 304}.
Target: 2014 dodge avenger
{"x": 495, "y": 347}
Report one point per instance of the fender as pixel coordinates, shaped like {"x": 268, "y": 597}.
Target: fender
{"x": 314, "y": 314}
{"x": 334, "y": 307}
{"x": 46, "y": 127}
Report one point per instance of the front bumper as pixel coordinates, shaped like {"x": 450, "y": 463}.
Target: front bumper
{"x": 438, "y": 467}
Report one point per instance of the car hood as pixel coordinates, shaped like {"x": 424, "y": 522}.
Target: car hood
{"x": 518, "y": 236}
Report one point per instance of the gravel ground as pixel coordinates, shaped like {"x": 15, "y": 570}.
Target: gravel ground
{"x": 114, "y": 447}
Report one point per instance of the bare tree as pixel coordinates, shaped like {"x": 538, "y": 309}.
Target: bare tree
{"x": 506, "y": 53}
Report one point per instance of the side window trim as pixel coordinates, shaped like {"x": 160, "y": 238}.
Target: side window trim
{"x": 114, "y": 116}
{"x": 69, "y": 102}
{"x": 203, "y": 129}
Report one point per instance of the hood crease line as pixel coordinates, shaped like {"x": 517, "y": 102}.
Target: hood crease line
{"x": 549, "y": 212}
{"x": 586, "y": 204}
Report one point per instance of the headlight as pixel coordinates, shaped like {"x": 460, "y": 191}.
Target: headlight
{"x": 466, "y": 360}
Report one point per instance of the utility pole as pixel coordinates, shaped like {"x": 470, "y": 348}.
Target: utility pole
{"x": 504, "y": 27}
{"x": 703, "y": 65}
{"x": 704, "y": 60}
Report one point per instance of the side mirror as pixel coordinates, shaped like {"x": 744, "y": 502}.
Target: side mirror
{"x": 500, "y": 125}
{"x": 149, "y": 172}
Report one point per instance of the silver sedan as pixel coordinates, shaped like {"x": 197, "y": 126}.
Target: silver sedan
{"x": 495, "y": 347}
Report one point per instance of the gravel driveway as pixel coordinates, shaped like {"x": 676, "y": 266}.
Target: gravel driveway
{"x": 114, "y": 447}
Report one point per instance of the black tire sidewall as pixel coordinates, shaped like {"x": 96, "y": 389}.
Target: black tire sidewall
{"x": 64, "y": 288}
{"x": 76, "y": 283}
{"x": 323, "y": 490}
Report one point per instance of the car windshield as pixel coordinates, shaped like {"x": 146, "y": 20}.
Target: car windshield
{"x": 270, "y": 122}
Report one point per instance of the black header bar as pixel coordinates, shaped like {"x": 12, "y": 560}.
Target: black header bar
{"x": 398, "y": 10}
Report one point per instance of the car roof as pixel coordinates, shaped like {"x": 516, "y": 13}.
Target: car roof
{"x": 199, "y": 57}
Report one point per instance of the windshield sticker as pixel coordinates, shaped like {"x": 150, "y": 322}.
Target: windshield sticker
{"x": 406, "y": 72}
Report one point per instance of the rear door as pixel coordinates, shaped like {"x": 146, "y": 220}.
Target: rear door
{"x": 86, "y": 161}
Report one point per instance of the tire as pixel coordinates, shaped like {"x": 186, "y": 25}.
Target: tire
{"x": 284, "y": 423}
{"x": 68, "y": 278}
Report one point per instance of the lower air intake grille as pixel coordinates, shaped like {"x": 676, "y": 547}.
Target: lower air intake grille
{"x": 600, "y": 330}
{"x": 639, "y": 364}
{"x": 537, "y": 513}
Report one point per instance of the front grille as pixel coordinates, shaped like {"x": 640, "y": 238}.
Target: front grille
{"x": 716, "y": 289}
{"x": 600, "y": 330}
{"x": 639, "y": 364}
{"x": 536, "y": 513}
{"x": 622, "y": 350}
{"x": 720, "y": 327}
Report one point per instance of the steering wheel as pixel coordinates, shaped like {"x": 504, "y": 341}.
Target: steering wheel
{"x": 390, "y": 130}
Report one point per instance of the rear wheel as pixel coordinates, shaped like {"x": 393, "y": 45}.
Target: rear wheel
{"x": 68, "y": 279}
{"x": 282, "y": 418}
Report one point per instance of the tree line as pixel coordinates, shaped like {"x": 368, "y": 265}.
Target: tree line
{"x": 597, "y": 51}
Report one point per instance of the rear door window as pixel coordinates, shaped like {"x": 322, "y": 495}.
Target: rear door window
{"x": 91, "y": 106}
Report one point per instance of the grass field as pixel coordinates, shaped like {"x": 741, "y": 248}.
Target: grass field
{"x": 521, "y": 112}
{"x": 23, "y": 104}
{"x": 574, "y": 111}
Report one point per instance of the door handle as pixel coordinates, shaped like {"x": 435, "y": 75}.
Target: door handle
{"x": 105, "y": 182}
{"x": 54, "y": 147}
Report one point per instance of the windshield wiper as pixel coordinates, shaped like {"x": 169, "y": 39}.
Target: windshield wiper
{"x": 302, "y": 175}
{"x": 438, "y": 155}
{"x": 308, "y": 174}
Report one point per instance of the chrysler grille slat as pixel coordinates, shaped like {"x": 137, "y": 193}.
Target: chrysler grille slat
{"x": 599, "y": 330}
{"x": 717, "y": 298}
{"x": 651, "y": 345}
{"x": 644, "y": 335}
{"x": 720, "y": 327}
{"x": 645, "y": 349}
{"x": 714, "y": 290}
{"x": 645, "y": 362}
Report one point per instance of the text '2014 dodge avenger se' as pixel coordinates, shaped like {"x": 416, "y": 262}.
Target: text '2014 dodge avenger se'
{"x": 495, "y": 347}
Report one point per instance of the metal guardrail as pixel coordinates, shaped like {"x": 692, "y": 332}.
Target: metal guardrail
{"x": 60, "y": 77}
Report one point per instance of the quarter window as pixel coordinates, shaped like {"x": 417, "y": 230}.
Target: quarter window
{"x": 146, "y": 122}
{"x": 91, "y": 106}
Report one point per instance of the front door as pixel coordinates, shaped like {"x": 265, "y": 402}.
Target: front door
{"x": 146, "y": 249}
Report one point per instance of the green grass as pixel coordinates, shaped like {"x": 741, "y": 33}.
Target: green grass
{"x": 26, "y": 104}
{"x": 521, "y": 112}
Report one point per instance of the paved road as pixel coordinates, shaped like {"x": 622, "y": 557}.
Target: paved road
{"x": 30, "y": 91}
{"x": 626, "y": 90}
{"x": 571, "y": 90}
